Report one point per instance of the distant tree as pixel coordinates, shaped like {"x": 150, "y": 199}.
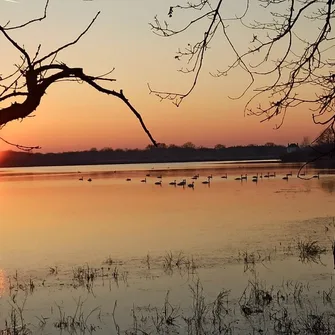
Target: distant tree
{"x": 21, "y": 91}
{"x": 173, "y": 146}
{"x": 188, "y": 145}
{"x": 305, "y": 142}
{"x": 149, "y": 147}
{"x": 93, "y": 149}
{"x": 269, "y": 144}
{"x": 219, "y": 147}
{"x": 106, "y": 149}
{"x": 162, "y": 145}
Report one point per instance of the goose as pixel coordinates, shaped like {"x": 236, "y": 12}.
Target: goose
{"x": 89, "y": 179}
{"x": 286, "y": 177}
{"x": 159, "y": 177}
{"x": 256, "y": 176}
{"x": 147, "y": 175}
{"x": 255, "y": 180}
{"x": 81, "y": 178}
{"x": 224, "y": 176}
{"x": 182, "y": 183}
{"x": 245, "y": 177}
{"x": 208, "y": 181}
{"x": 144, "y": 180}
{"x": 289, "y": 174}
{"x": 158, "y": 183}
{"x": 195, "y": 177}
{"x": 260, "y": 176}
{"x": 239, "y": 178}
{"x": 191, "y": 185}
{"x": 128, "y": 179}
{"x": 210, "y": 176}
{"x": 272, "y": 174}
{"x": 267, "y": 175}
{"x": 173, "y": 183}
{"x": 317, "y": 176}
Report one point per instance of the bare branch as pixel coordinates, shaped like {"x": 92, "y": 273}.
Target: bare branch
{"x": 33, "y": 76}
{"x": 30, "y": 21}
{"x": 21, "y": 49}
{"x": 197, "y": 51}
{"x": 19, "y": 146}
{"x": 55, "y": 52}
{"x": 279, "y": 53}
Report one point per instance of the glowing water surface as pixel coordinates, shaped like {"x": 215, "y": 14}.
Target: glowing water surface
{"x": 50, "y": 218}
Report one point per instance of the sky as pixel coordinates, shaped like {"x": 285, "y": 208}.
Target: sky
{"x": 74, "y": 116}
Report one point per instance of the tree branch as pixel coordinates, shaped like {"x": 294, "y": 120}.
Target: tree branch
{"x": 32, "y": 80}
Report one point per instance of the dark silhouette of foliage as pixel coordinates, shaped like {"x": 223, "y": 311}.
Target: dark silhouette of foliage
{"x": 151, "y": 154}
{"x": 219, "y": 147}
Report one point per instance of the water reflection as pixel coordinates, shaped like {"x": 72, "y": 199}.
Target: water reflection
{"x": 225, "y": 170}
{"x": 69, "y": 223}
{"x": 328, "y": 185}
{"x": 2, "y": 283}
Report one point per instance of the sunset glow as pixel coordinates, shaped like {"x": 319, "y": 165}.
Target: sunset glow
{"x": 76, "y": 117}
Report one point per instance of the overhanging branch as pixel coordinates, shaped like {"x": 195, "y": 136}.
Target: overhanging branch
{"x": 36, "y": 74}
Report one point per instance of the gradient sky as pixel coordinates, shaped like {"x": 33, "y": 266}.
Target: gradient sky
{"x": 75, "y": 117}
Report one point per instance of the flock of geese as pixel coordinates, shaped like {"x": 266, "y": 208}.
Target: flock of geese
{"x": 182, "y": 182}
{"x": 241, "y": 178}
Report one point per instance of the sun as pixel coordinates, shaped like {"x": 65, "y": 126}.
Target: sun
{"x": 3, "y": 155}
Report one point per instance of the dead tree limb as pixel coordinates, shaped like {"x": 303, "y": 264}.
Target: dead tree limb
{"x": 21, "y": 92}
{"x": 280, "y": 53}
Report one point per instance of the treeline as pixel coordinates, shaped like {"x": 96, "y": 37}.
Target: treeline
{"x": 162, "y": 153}
{"x": 322, "y": 156}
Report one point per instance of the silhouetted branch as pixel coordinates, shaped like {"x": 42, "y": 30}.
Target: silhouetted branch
{"x": 30, "y": 21}
{"x": 279, "y": 53}
{"x": 327, "y": 137}
{"x": 34, "y": 75}
{"x": 196, "y": 52}
{"x": 55, "y": 52}
{"x": 19, "y": 146}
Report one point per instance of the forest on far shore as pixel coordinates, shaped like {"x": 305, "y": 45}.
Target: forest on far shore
{"x": 162, "y": 153}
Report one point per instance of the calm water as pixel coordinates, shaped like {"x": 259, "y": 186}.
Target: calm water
{"x": 50, "y": 218}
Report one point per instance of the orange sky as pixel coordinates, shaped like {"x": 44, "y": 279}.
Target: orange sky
{"x": 75, "y": 117}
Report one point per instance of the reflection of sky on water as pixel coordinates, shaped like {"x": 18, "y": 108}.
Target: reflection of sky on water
{"x": 2, "y": 283}
{"x": 328, "y": 185}
{"x": 60, "y": 221}
{"x": 71, "y": 221}
{"x": 168, "y": 169}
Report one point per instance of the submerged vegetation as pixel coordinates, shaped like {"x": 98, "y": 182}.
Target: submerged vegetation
{"x": 287, "y": 309}
{"x": 310, "y": 251}
{"x": 284, "y": 307}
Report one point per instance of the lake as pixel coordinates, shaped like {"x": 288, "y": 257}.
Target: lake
{"x": 118, "y": 256}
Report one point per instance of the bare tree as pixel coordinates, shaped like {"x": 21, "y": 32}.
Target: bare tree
{"x": 326, "y": 138}
{"x": 290, "y": 49}
{"x": 21, "y": 91}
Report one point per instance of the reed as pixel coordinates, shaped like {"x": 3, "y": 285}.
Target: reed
{"x": 310, "y": 251}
